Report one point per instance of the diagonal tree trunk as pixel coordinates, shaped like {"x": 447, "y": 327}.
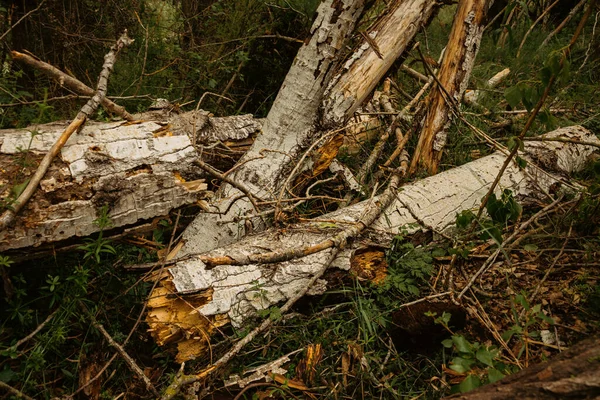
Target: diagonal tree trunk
{"x": 316, "y": 85}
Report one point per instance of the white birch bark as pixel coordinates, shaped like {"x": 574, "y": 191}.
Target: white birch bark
{"x": 213, "y": 296}
{"x": 140, "y": 170}
{"x": 288, "y": 129}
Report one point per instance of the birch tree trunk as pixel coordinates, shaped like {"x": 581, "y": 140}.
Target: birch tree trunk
{"x": 141, "y": 170}
{"x": 197, "y": 295}
{"x": 317, "y": 84}
{"x": 453, "y": 78}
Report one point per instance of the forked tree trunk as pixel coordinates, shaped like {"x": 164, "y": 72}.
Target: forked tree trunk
{"x": 293, "y": 123}
{"x": 200, "y": 293}
{"x": 453, "y": 78}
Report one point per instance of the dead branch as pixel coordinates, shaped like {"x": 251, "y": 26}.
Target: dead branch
{"x": 542, "y": 15}
{"x": 560, "y": 27}
{"x": 453, "y": 78}
{"x": 130, "y": 362}
{"x": 70, "y": 82}
{"x": 14, "y": 391}
{"x": 506, "y": 242}
{"x": 21, "y": 19}
{"x": 88, "y": 109}
{"x": 36, "y": 330}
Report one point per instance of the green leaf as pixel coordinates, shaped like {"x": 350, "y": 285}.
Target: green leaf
{"x": 513, "y": 96}
{"x": 447, "y": 343}
{"x": 461, "y": 365}
{"x": 7, "y": 375}
{"x": 464, "y": 219}
{"x": 18, "y": 189}
{"x": 471, "y": 382}
{"x": 485, "y": 356}
{"x": 530, "y": 247}
{"x": 461, "y": 344}
{"x": 494, "y": 375}
{"x": 438, "y": 252}
{"x": 545, "y": 75}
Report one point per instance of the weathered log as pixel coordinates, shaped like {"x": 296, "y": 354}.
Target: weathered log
{"x": 573, "y": 374}
{"x": 198, "y": 295}
{"x": 140, "y": 170}
{"x": 302, "y": 105}
{"x": 453, "y": 78}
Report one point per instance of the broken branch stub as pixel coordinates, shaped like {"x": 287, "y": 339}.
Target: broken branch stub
{"x": 194, "y": 298}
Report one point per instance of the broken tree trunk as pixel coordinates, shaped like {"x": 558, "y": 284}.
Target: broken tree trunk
{"x": 202, "y": 292}
{"x": 140, "y": 169}
{"x": 452, "y": 78}
{"x": 573, "y": 374}
{"x": 293, "y": 123}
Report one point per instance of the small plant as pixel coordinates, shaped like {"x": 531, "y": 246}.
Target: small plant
{"x": 409, "y": 267}
{"x": 526, "y": 318}
{"x": 500, "y": 210}
{"x": 473, "y": 364}
{"x": 94, "y": 248}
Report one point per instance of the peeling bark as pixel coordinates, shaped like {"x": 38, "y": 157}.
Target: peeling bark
{"x": 140, "y": 170}
{"x": 369, "y": 63}
{"x": 288, "y": 130}
{"x": 290, "y": 127}
{"x": 453, "y": 76}
{"x": 236, "y": 292}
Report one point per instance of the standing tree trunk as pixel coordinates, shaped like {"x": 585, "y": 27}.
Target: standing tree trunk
{"x": 453, "y": 78}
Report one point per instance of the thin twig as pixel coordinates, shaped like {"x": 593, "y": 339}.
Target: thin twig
{"x": 70, "y": 82}
{"x": 21, "y": 19}
{"x": 36, "y": 330}
{"x": 549, "y": 270}
{"x": 559, "y": 28}
{"x": 537, "y": 108}
{"x": 130, "y": 362}
{"x": 506, "y": 242}
{"x": 14, "y": 391}
{"x": 542, "y": 15}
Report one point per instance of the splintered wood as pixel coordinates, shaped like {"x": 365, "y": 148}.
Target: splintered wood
{"x": 238, "y": 292}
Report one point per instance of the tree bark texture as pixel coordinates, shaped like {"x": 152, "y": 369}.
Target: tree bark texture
{"x": 288, "y": 130}
{"x": 367, "y": 65}
{"x": 196, "y": 297}
{"x": 293, "y": 123}
{"x": 573, "y": 374}
{"x": 140, "y": 170}
{"x": 453, "y": 78}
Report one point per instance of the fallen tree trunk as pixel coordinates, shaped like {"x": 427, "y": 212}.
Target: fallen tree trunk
{"x": 140, "y": 169}
{"x": 202, "y": 292}
{"x": 314, "y": 95}
{"x": 452, "y": 81}
{"x": 573, "y": 374}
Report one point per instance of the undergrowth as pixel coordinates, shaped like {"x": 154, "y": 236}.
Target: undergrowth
{"x": 519, "y": 304}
